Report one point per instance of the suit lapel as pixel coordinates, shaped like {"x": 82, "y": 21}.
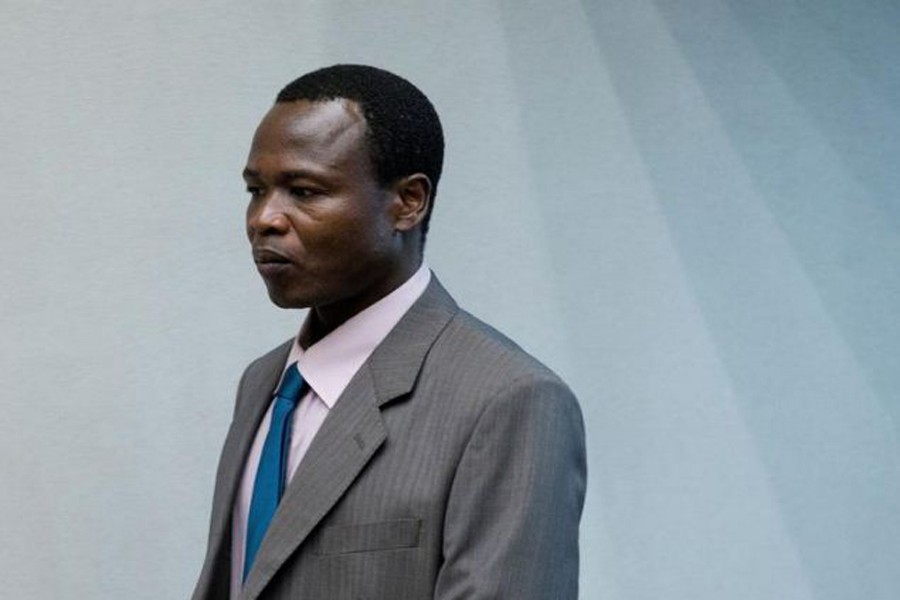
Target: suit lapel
{"x": 255, "y": 394}
{"x": 350, "y": 435}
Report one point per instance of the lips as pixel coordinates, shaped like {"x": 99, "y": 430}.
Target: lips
{"x": 267, "y": 256}
{"x": 270, "y": 263}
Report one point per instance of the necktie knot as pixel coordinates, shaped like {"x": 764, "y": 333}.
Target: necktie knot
{"x": 290, "y": 384}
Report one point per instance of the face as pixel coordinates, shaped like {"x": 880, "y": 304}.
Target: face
{"x": 321, "y": 227}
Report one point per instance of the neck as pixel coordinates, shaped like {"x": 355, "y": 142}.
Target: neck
{"x": 323, "y": 320}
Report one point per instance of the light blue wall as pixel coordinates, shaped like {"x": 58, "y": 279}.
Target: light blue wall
{"x": 689, "y": 210}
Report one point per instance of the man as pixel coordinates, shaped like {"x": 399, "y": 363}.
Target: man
{"x": 397, "y": 448}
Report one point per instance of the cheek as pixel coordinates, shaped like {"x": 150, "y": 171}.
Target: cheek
{"x": 343, "y": 234}
{"x": 351, "y": 230}
{"x": 332, "y": 243}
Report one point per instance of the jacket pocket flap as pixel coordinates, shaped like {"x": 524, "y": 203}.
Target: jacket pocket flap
{"x": 365, "y": 537}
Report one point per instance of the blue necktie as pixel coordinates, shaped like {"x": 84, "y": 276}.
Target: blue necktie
{"x": 269, "y": 484}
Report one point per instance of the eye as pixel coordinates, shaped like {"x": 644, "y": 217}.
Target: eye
{"x": 303, "y": 192}
{"x": 254, "y": 190}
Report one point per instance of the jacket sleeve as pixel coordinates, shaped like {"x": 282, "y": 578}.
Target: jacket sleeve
{"x": 511, "y": 524}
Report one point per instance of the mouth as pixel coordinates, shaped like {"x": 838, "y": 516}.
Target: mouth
{"x": 270, "y": 262}
{"x": 267, "y": 256}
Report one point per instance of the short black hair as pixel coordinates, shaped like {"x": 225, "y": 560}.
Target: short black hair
{"x": 403, "y": 132}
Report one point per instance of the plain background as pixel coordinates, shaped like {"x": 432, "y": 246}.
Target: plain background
{"x": 688, "y": 209}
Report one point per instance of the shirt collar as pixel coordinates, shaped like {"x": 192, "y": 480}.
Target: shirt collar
{"x": 329, "y": 364}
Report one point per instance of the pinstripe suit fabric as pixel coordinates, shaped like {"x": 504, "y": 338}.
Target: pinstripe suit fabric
{"x": 453, "y": 467}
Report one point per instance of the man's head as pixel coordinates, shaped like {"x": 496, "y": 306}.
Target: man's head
{"x": 403, "y": 131}
{"x": 341, "y": 183}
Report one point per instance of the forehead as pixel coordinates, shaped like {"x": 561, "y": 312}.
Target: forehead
{"x": 321, "y": 129}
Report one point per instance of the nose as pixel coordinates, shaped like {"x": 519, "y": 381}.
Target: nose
{"x": 265, "y": 216}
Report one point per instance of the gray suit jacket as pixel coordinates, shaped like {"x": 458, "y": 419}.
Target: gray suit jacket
{"x": 452, "y": 467}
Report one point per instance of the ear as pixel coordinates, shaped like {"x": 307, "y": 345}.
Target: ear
{"x": 412, "y": 199}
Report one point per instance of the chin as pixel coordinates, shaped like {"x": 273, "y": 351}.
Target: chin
{"x": 282, "y": 299}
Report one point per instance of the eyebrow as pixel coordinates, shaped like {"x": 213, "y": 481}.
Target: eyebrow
{"x": 249, "y": 173}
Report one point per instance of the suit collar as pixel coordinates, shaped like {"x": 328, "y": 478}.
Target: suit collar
{"x": 396, "y": 362}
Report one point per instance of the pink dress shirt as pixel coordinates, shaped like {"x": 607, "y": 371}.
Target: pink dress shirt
{"x": 327, "y": 366}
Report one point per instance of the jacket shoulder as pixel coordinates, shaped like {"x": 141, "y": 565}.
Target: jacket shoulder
{"x": 471, "y": 349}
